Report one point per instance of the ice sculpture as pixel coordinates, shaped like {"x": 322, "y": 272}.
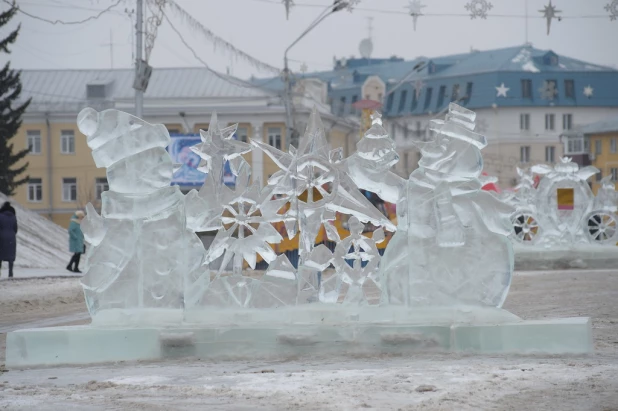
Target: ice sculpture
{"x": 154, "y": 291}
{"x": 451, "y": 244}
{"x": 140, "y": 249}
{"x": 562, "y": 211}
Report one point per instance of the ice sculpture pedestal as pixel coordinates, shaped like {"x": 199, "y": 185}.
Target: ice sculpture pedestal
{"x": 583, "y": 256}
{"x": 318, "y": 330}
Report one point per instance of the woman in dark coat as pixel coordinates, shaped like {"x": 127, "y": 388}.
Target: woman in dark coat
{"x": 8, "y": 235}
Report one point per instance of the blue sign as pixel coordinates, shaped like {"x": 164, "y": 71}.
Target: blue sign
{"x": 188, "y": 174}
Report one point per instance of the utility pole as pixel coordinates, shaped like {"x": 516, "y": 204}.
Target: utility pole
{"x": 139, "y": 93}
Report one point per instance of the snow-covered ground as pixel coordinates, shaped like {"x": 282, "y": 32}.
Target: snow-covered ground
{"x": 40, "y": 242}
{"x": 424, "y": 382}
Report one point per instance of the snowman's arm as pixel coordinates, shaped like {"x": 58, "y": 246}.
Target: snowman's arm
{"x": 386, "y": 184}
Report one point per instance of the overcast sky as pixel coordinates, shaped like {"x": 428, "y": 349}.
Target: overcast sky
{"x": 259, "y": 27}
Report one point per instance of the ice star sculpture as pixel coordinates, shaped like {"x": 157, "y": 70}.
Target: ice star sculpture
{"x": 451, "y": 245}
{"x": 314, "y": 181}
{"x": 141, "y": 254}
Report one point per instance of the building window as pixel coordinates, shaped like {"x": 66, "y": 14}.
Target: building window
{"x": 614, "y": 174}
{"x": 567, "y": 121}
{"x": 100, "y": 185}
{"x": 35, "y": 190}
{"x": 599, "y": 175}
{"x": 428, "y": 97}
{"x": 69, "y": 189}
{"x": 468, "y": 91}
{"x": 414, "y": 101}
{"x": 612, "y": 146}
{"x": 34, "y": 141}
{"x": 550, "y": 121}
{"x": 575, "y": 146}
{"x": 569, "y": 88}
{"x": 241, "y": 134}
{"x": 354, "y": 100}
{"x": 550, "y": 154}
{"x": 402, "y": 100}
{"x": 524, "y": 154}
{"x": 526, "y": 88}
{"x": 598, "y": 147}
{"x": 441, "y": 95}
{"x": 341, "y": 106}
{"x": 274, "y": 137}
{"x": 389, "y": 102}
{"x": 455, "y": 92}
{"x": 67, "y": 142}
{"x": 524, "y": 121}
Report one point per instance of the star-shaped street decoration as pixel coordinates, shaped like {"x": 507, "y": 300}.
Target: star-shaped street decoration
{"x": 612, "y": 9}
{"x": 218, "y": 146}
{"x": 415, "y": 7}
{"x": 550, "y": 13}
{"x": 588, "y": 91}
{"x": 502, "y": 90}
{"x": 288, "y": 5}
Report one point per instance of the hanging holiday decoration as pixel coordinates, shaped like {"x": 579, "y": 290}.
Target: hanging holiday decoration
{"x": 415, "y": 7}
{"x": 502, "y": 90}
{"x": 478, "y": 8}
{"x": 152, "y": 25}
{"x": 588, "y": 91}
{"x": 550, "y": 13}
{"x": 548, "y": 90}
{"x": 304, "y": 68}
{"x": 612, "y": 9}
{"x": 288, "y": 5}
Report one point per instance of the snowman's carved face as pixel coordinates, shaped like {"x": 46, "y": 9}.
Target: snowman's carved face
{"x": 452, "y": 156}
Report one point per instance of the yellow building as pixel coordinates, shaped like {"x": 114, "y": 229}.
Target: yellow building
{"x": 601, "y": 139}
{"x": 63, "y": 176}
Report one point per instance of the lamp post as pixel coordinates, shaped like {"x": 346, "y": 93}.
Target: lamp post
{"x": 338, "y": 5}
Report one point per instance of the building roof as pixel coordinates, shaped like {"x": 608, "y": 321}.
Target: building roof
{"x": 67, "y": 86}
{"x": 607, "y": 125}
{"x": 472, "y": 79}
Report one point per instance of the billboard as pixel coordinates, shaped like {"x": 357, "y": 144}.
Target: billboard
{"x": 188, "y": 175}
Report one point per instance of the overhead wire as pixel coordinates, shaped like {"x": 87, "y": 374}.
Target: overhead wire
{"x": 229, "y": 79}
{"x": 102, "y": 12}
{"x": 216, "y": 40}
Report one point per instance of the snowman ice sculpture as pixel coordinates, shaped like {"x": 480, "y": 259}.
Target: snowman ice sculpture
{"x": 451, "y": 245}
{"x": 141, "y": 254}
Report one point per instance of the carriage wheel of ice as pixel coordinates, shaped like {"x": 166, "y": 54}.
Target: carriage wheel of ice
{"x": 525, "y": 226}
{"x": 601, "y": 226}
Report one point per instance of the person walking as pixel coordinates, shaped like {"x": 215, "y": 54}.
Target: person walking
{"x": 76, "y": 241}
{"x": 8, "y": 235}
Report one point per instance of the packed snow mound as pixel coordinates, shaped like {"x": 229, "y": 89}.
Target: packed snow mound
{"x": 40, "y": 242}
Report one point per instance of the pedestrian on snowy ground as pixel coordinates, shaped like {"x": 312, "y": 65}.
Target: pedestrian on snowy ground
{"x": 8, "y": 235}
{"x": 76, "y": 241}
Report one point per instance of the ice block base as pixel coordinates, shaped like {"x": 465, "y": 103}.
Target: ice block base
{"x": 452, "y": 330}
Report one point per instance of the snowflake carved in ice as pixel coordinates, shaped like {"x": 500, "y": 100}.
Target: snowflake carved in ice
{"x": 612, "y": 9}
{"x": 478, "y": 8}
{"x": 245, "y": 231}
{"x": 356, "y": 260}
{"x": 548, "y": 90}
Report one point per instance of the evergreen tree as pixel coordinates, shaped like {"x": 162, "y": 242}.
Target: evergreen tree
{"x": 10, "y": 116}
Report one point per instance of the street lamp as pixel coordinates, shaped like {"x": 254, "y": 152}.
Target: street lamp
{"x": 338, "y": 5}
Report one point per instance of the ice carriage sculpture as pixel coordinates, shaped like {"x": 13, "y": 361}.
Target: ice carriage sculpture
{"x": 154, "y": 291}
{"x": 562, "y": 210}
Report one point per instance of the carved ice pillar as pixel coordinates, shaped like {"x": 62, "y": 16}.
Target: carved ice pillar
{"x": 257, "y": 156}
